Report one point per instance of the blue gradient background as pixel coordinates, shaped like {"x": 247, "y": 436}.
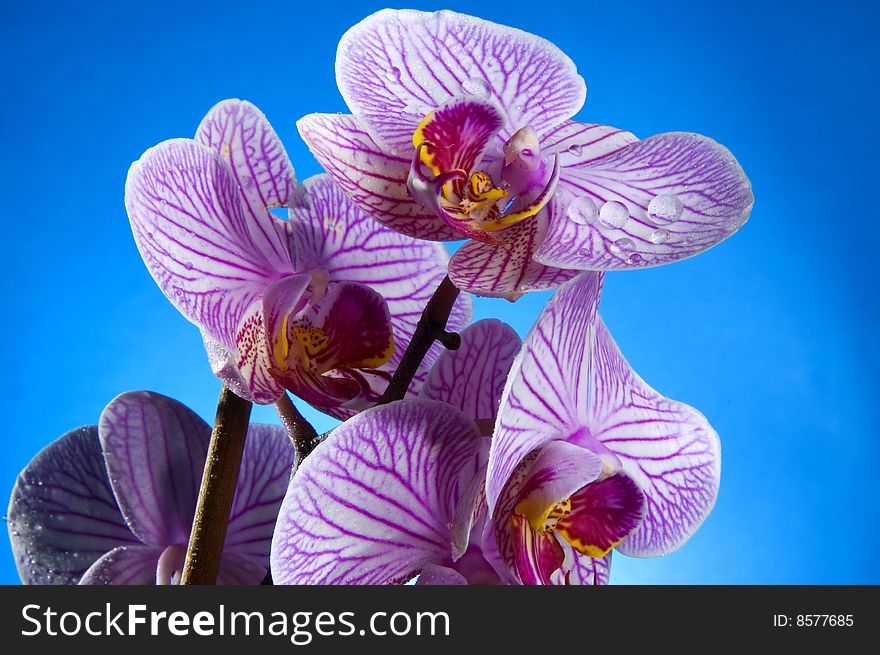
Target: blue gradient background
{"x": 773, "y": 334}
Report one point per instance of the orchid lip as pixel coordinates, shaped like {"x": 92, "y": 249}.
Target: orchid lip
{"x": 328, "y": 350}
{"x": 482, "y": 206}
{"x": 454, "y": 174}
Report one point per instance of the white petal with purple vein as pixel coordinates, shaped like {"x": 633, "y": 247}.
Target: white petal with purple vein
{"x": 126, "y": 565}
{"x": 266, "y": 467}
{"x": 667, "y": 447}
{"x": 507, "y": 270}
{"x": 242, "y": 135}
{"x": 378, "y": 498}
{"x": 472, "y": 378}
{"x": 209, "y": 257}
{"x": 659, "y": 200}
{"x": 395, "y": 66}
{"x": 584, "y": 571}
{"x": 354, "y": 248}
{"x": 374, "y": 179}
{"x": 155, "y": 450}
{"x": 547, "y": 392}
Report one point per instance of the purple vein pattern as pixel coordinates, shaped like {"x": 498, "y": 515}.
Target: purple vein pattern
{"x": 616, "y": 203}
{"x": 508, "y": 270}
{"x": 379, "y": 499}
{"x": 375, "y": 179}
{"x": 199, "y": 212}
{"x": 548, "y": 388}
{"x": 341, "y": 239}
{"x": 396, "y": 66}
{"x": 472, "y": 378}
{"x": 113, "y": 504}
{"x": 682, "y": 194}
{"x": 571, "y": 383}
{"x": 667, "y": 447}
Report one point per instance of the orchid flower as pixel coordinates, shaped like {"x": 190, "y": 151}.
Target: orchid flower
{"x": 398, "y": 491}
{"x": 114, "y": 503}
{"x": 322, "y": 304}
{"x": 585, "y": 456}
{"x": 461, "y": 129}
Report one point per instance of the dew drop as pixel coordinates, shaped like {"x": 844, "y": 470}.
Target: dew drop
{"x": 659, "y": 236}
{"x": 188, "y": 266}
{"x": 393, "y": 74}
{"x": 577, "y": 149}
{"x": 664, "y": 210}
{"x": 476, "y": 86}
{"x": 623, "y": 247}
{"x": 582, "y": 211}
{"x": 635, "y": 259}
{"x": 614, "y": 214}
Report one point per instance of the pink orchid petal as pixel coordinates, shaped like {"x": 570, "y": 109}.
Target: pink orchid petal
{"x": 352, "y": 247}
{"x": 580, "y": 144}
{"x": 266, "y": 467}
{"x": 125, "y": 565}
{"x": 434, "y": 574}
{"x": 507, "y": 270}
{"x": 252, "y": 360}
{"x": 546, "y": 476}
{"x": 457, "y": 133}
{"x": 376, "y": 501}
{"x": 242, "y": 135}
{"x": 395, "y": 66}
{"x": 155, "y": 450}
{"x": 204, "y": 251}
{"x": 536, "y": 555}
{"x": 283, "y": 301}
{"x": 357, "y": 324}
{"x": 603, "y": 513}
{"x": 584, "y": 571}
{"x": 648, "y": 203}
{"x": 373, "y": 178}
{"x": 666, "y": 447}
{"x": 548, "y": 388}
{"x": 472, "y": 378}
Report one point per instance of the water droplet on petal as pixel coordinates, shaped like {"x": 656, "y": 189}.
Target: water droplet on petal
{"x": 664, "y": 210}
{"x": 634, "y": 259}
{"x": 623, "y": 247}
{"x": 188, "y": 266}
{"x": 476, "y": 86}
{"x": 393, "y": 74}
{"x": 582, "y": 211}
{"x": 659, "y": 236}
{"x": 614, "y": 214}
{"x": 577, "y": 149}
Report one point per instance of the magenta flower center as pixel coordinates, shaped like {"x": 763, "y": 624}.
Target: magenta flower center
{"x": 476, "y": 190}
